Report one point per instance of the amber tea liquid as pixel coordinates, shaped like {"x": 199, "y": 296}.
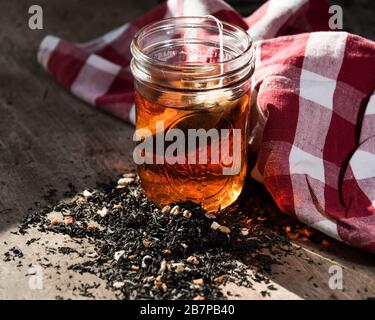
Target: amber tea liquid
{"x": 200, "y": 183}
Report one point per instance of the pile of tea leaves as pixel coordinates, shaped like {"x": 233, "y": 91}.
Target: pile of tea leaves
{"x": 175, "y": 252}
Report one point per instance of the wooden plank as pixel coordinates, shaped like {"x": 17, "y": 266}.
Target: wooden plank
{"x": 307, "y": 274}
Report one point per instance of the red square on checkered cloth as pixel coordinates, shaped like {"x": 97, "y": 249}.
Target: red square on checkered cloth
{"x": 314, "y": 101}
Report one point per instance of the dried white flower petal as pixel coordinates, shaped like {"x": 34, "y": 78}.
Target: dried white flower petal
{"x": 163, "y": 267}
{"x": 187, "y": 214}
{"x": 223, "y": 229}
{"x": 244, "y": 231}
{"x": 118, "y": 284}
{"x": 166, "y": 209}
{"x": 215, "y": 225}
{"x": 175, "y": 211}
{"x": 103, "y": 212}
{"x": 145, "y": 261}
{"x": 124, "y": 181}
{"x": 119, "y": 254}
{"x": 87, "y": 194}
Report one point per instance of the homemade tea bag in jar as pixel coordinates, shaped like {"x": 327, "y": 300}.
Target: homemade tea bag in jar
{"x": 192, "y": 91}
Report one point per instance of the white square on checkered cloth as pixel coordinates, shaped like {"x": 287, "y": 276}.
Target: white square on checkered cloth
{"x": 324, "y": 53}
{"x": 328, "y": 227}
{"x": 46, "y": 47}
{"x": 363, "y": 164}
{"x": 312, "y": 127}
{"x": 317, "y": 88}
{"x": 301, "y": 162}
{"x": 85, "y": 87}
{"x": 371, "y": 105}
{"x": 277, "y": 14}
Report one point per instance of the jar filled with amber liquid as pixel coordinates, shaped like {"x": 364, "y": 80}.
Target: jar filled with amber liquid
{"x": 192, "y": 97}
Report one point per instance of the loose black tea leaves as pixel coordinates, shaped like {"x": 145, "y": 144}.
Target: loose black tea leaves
{"x": 176, "y": 252}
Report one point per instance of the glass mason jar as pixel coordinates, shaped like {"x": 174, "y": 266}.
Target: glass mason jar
{"x": 192, "y": 96}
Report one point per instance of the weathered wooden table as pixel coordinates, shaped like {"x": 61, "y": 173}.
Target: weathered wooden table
{"x": 49, "y": 139}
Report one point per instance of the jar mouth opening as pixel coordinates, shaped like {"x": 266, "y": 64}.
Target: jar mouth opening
{"x": 140, "y": 53}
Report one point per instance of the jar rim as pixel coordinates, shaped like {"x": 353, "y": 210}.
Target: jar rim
{"x": 139, "y": 54}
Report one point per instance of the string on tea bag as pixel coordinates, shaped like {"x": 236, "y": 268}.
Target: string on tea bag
{"x": 221, "y": 41}
{"x": 221, "y": 44}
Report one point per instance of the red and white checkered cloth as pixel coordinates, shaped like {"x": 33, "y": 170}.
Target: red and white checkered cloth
{"x": 314, "y": 105}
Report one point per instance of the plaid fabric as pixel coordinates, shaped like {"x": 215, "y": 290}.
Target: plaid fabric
{"x": 313, "y": 106}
